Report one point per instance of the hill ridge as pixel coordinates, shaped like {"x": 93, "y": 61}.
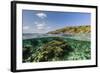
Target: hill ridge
{"x": 72, "y": 30}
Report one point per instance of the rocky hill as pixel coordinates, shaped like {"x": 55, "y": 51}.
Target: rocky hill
{"x": 72, "y": 30}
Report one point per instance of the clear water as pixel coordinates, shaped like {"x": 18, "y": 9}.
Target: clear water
{"x": 84, "y": 37}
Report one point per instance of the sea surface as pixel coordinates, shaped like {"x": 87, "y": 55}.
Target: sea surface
{"x": 84, "y": 37}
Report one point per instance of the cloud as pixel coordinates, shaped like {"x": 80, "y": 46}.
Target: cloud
{"x": 41, "y": 15}
{"x": 36, "y": 23}
{"x": 40, "y": 26}
{"x": 48, "y": 27}
{"x": 25, "y": 27}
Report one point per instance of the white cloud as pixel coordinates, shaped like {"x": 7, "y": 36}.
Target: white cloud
{"x": 36, "y": 23}
{"x": 40, "y": 26}
{"x": 25, "y": 27}
{"x": 48, "y": 27}
{"x": 41, "y": 15}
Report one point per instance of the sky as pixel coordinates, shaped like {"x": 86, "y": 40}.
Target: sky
{"x": 46, "y": 21}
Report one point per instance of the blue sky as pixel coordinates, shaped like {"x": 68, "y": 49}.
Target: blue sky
{"x": 45, "y": 21}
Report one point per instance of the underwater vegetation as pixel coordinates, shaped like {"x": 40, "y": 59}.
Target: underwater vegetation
{"x": 55, "y": 49}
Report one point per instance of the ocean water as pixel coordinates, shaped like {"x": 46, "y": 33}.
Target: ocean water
{"x": 84, "y": 37}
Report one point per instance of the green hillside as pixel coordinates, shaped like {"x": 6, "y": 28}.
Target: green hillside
{"x": 72, "y": 30}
